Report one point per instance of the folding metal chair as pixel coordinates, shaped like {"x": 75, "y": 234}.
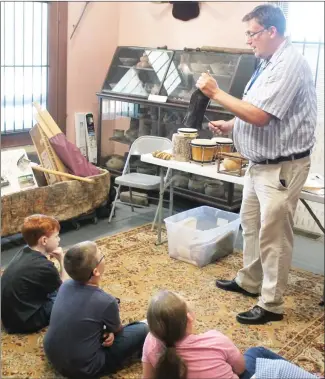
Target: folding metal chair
{"x": 142, "y": 145}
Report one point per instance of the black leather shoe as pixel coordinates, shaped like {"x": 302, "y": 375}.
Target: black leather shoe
{"x": 231, "y": 285}
{"x": 258, "y": 316}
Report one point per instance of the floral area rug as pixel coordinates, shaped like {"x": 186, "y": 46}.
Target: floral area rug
{"x": 136, "y": 269}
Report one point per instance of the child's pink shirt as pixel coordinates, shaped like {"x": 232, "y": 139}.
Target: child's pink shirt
{"x": 210, "y": 355}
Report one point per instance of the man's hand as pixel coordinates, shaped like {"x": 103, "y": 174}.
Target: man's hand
{"x": 208, "y": 85}
{"x": 108, "y": 339}
{"x": 58, "y": 254}
{"x": 221, "y": 127}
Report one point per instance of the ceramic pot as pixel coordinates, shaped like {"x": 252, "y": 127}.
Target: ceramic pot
{"x": 180, "y": 181}
{"x": 196, "y": 185}
{"x": 115, "y": 162}
{"x": 214, "y": 189}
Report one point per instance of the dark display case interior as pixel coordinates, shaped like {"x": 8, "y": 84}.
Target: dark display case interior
{"x": 137, "y": 71}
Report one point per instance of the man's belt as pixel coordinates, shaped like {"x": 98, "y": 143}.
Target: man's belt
{"x": 292, "y": 157}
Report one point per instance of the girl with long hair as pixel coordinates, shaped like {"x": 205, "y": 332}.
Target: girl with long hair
{"x": 172, "y": 351}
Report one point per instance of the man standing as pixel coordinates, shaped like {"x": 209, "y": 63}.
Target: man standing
{"x": 274, "y": 128}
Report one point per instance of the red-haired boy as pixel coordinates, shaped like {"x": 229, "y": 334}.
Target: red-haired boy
{"x": 30, "y": 282}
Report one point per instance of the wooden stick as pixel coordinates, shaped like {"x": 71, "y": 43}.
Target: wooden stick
{"x": 42, "y": 124}
{"x": 58, "y": 173}
{"x": 51, "y": 128}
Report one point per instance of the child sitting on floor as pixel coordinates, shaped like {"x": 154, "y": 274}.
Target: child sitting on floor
{"x": 171, "y": 350}
{"x": 75, "y": 342}
{"x": 30, "y": 282}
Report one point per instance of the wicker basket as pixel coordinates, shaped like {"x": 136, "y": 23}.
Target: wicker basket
{"x": 63, "y": 200}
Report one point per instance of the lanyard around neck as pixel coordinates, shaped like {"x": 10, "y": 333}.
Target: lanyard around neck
{"x": 255, "y": 75}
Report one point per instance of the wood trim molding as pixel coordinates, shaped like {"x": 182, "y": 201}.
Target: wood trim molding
{"x": 57, "y": 80}
{"x": 15, "y": 140}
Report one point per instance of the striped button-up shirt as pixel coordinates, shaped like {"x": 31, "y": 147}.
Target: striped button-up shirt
{"x": 279, "y": 369}
{"x": 285, "y": 89}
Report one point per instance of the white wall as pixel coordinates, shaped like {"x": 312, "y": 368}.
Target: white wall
{"x": 151, "y": 25}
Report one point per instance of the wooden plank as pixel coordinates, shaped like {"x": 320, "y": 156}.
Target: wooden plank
{"x": 43, "y": 125}
{"x": 52, "y": 129}
{"x": 227, "y": 50}
{"x": 50, "y": 122}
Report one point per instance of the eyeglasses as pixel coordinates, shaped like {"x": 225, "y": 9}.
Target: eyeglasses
{"x": 91, "y": 274}
{"x": 251, "y": 35}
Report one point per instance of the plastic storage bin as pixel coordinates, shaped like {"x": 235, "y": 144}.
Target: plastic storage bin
{"x": 202, "y": 235}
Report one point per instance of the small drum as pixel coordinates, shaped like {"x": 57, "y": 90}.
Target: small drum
{"x": 182, "y": 144}
{"x": 224, "y": 145}
{"x": 203, "y": 150}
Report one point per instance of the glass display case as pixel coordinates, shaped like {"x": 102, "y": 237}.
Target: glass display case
{"x": 147, "y": 91}
{"x": 232, "y": 72}
{"x": 137, "y": 71}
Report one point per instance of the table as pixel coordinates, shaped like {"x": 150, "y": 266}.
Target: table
{"x": 209, "y": 171}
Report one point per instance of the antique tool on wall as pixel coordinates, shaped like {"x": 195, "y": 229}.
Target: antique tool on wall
{"x": 78, "y": 22}
{"x": 23, "y": 163}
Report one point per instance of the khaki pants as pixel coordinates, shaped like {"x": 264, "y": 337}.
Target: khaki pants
{"x": 267, "y": 213}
